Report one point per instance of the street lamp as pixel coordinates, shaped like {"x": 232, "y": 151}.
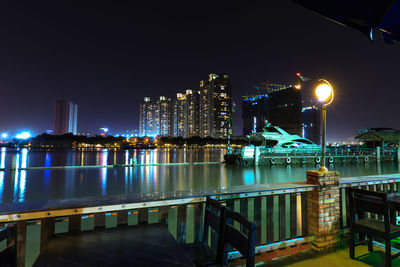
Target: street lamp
{"x": 324, "y": 94}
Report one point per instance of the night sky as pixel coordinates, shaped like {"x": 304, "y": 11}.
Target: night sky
{"x": 107, "y": 55}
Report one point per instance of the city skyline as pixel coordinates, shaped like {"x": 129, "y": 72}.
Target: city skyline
{"x": 107, "y": 58}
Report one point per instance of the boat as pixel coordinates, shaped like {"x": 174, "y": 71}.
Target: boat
{"x": 272, "y": 140}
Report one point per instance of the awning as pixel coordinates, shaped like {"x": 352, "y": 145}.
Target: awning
{"x": 365, "y": 16}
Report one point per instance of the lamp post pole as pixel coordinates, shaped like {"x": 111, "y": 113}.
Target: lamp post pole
{"x": 323, "y": 168}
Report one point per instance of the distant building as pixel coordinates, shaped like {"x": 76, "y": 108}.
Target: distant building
{"x": 215, "y": 106}
{"x": 65, "y": 117}
{"x": 155, "y": 117}
{"x": 294, "y": 110}
{"x": 193, "y": 112}
{"x": 284, "y": 109}
{"x": 254, "y": 113}
{"x": 180, "y": 116}
{"x": 281, "y": 107}
{"x": 311, "y": 126}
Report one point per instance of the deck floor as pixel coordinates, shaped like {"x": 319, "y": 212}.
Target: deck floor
{"x": 336, "y": 258}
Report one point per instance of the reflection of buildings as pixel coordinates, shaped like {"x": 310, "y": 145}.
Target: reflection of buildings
{"x": 291, "y": 109}
{"x": 155, "y": 117}
{"x": 215, "y": 106}
{"x": 65, "y": 117}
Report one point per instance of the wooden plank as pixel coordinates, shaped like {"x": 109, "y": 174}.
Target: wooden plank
{"x": 143, "y": 216}
{"x": 21, "y": 243}
{"x": 99, "y": 220}
{"x": 293, "y": 215}
{"x": 47, "y": 227}
{"x": 198, "y": 222}
{"x": 257, "y": 218}
{"x": 244, "y": 208}
{"x": 122, "y": 218}
{"x": 163, "y": 215}
{"x": 270, "y": 219}
{"x": 74, "y": 223}
{"x": 282, "y": 218}
{"x": 181, "y": 224}
{"x": 304, "y": 214}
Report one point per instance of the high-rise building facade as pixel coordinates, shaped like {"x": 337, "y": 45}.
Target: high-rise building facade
{"x": 254, "y": 113}
{"x": 193, "y": 112}
{"x": 311, "y": 126}
{"x": 65, "y": 117}
{"x": 281, "y": 107}
{"x": 155, "y": 117}
{"x": 180, "y": 116}
{"x": 215, "y": 106}
{"x": 165, "y": 114}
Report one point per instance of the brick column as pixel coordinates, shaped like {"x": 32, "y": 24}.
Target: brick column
{"x": 324, "y": 209}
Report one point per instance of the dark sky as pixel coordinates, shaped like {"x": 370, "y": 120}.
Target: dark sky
{"x": 107, "y": 55}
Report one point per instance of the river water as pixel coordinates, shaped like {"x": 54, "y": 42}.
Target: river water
{"x": 46, "y": 184}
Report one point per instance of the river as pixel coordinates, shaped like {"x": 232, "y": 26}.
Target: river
{"x": 46, "y": 184}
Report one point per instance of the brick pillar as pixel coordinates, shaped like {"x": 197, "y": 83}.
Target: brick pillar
{"x": 324, "y": 209}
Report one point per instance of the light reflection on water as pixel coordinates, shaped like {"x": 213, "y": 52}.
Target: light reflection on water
{"x": 28, "y": 185}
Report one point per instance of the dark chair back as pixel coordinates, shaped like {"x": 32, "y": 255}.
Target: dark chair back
{"x": 362, "y": 201}
{"x": 243, "y": 241}
{"x": 214, "y": 217}
{"x": 8, "y": 256}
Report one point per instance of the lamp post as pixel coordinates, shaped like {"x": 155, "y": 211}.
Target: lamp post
{"x": 324, "y": 93}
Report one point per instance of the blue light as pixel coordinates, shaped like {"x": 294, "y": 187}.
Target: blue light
{"x": 371, "y": 36}
{"x": 4, "y": 135}
{"x": 23, "y": 135}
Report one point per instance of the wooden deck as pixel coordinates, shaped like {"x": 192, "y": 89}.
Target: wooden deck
{"x": 336, "y": 258}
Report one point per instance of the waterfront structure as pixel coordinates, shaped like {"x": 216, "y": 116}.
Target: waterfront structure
{"x": 281, "y": 107}
{"x": 215, "y": 106}
{"x": 155, "y": 117}
{"x": 65, "y": 117}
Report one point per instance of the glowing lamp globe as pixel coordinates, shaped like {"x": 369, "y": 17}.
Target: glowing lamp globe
{"x": 324, "y": 92}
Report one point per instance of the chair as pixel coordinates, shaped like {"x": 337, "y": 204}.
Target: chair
{"x": 362, "y": 201}
{"x": 8, "y": 256}
{"x": 201, "y": 253}
{"x": 242, "y": 240}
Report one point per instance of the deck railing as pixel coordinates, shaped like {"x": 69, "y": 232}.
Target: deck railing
{"x": 278, "y": 209}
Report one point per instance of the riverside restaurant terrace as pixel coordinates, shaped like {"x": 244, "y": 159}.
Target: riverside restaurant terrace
{"x": 294, "y": 224}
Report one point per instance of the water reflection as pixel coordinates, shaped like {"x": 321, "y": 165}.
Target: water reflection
{"x": 103, "y": 171}
{"x": 2, "y": 166}
{"x": 28, "y": 185}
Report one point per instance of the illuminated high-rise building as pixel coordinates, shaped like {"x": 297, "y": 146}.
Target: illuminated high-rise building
{"x": 155, "y": 117}
{"x": 180, "y": 125}
{"x": 165, "y": 114}
{"x": 65, "y": 117}
{"x": 215, "y": 106}
{"x": 193, "y": 112}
